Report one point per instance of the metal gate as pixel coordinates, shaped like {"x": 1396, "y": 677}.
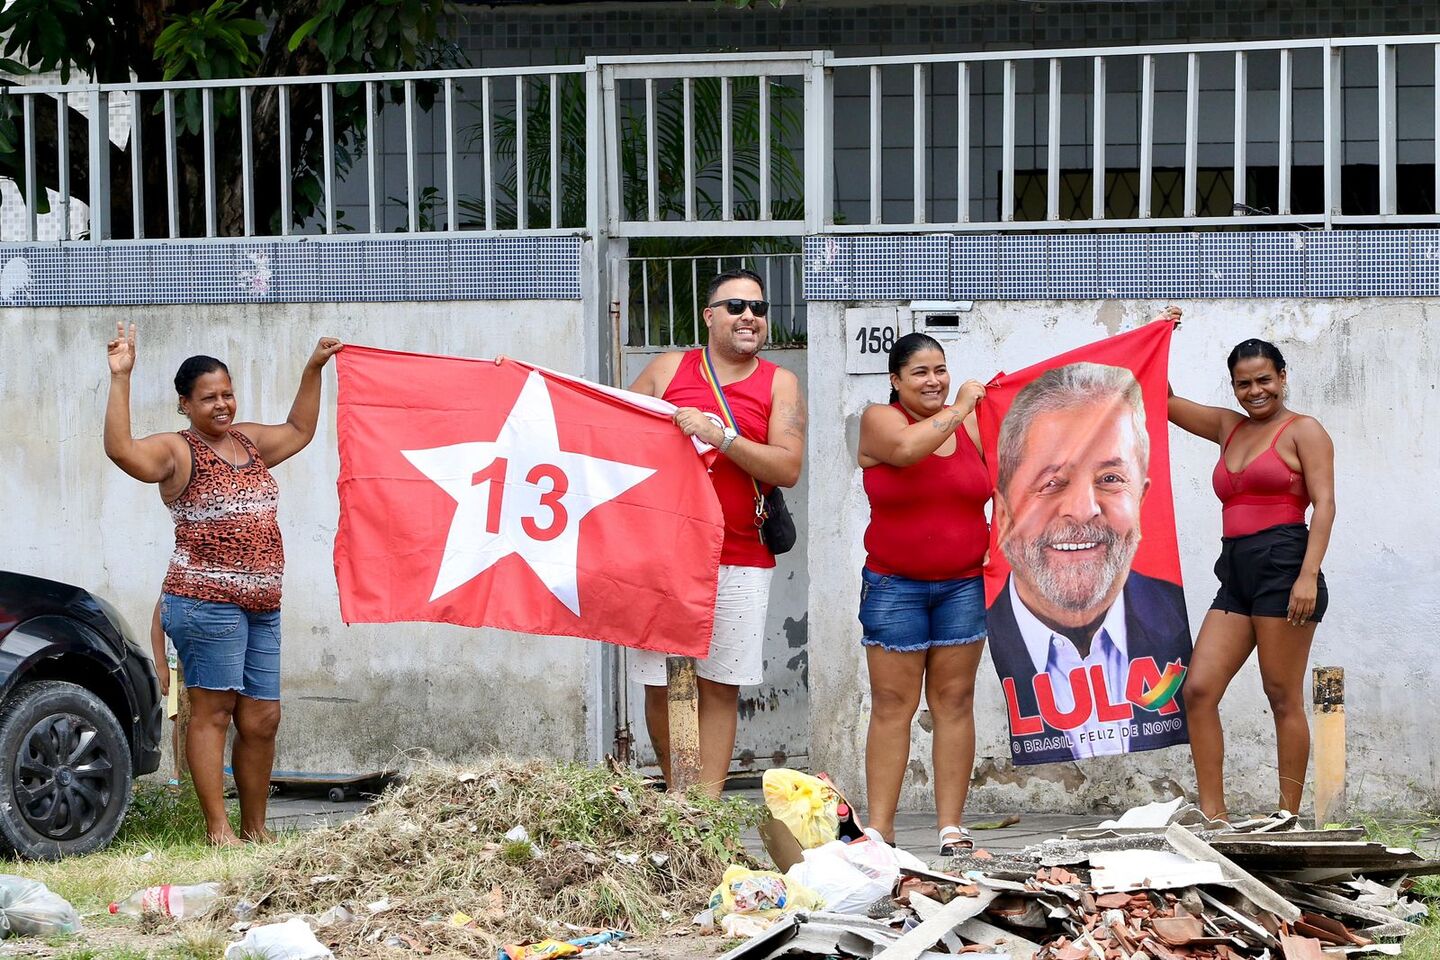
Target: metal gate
{"x": 701, "y": 166}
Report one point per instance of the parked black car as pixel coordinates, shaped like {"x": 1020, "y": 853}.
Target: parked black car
{"x": 80, "y": 718}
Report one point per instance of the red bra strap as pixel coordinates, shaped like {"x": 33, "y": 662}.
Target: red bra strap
{"x": 1226, "y": 445}
{"x": 1282, "y": 430}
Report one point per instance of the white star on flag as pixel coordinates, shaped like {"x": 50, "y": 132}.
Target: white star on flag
{"x": 521, "y": 494}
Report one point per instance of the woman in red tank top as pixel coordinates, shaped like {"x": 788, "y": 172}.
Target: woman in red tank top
{"x": 922, "y": 603}
{"x": 221, "y": 598}
{"x": 1273, "y": 464}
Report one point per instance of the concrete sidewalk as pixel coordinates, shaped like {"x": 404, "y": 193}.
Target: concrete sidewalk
{"x": 299, "y": 811}
{"x": 915, "y": 831}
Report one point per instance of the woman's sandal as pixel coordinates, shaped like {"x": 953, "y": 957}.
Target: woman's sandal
{"x": 955, "y": 841}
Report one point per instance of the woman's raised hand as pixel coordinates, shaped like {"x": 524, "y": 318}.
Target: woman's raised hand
{"x": 969, "y": 393}
{"x": 1170, "y": 313}
{"x": 121, "y": 351}
{"x": 324, "y": 350}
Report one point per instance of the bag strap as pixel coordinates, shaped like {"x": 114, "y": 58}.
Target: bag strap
{"x": 707, "y": 370}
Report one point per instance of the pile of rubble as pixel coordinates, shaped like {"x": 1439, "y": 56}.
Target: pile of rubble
{"x": 1162, "y": 883}
{"x": 473, "y": 860}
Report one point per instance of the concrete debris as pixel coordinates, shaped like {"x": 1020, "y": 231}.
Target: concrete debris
{"x": 1160, "y": 883}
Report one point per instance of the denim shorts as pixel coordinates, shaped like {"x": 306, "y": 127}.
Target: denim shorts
{"x": 225, "y": 647}
{"x": 909, "y": 616}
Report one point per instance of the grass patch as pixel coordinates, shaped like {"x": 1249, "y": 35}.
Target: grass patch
{"x": 1411, "y": 833}
{"x": 164, "y": 815}
{"x": 162, "y": 841}
{"x": 198, "y": 944}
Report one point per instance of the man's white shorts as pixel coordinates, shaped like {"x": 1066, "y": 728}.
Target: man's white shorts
{"x": 737, "y": 645}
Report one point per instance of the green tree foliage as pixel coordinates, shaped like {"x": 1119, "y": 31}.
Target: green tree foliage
{"x": 652, "y": 287}
{"x": 116, "y": 41}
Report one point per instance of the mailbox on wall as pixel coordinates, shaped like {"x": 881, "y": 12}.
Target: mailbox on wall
{"x": 945, "y": 321}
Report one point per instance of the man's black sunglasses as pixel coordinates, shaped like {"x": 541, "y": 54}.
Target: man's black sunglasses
{"x": 735, "y": 306}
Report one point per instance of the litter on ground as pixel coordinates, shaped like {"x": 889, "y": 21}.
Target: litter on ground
{"x": 537, "y": 860}
{"x": 1162, "y": 882}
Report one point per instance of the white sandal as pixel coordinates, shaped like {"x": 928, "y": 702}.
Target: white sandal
{"x": 955, "y": 841}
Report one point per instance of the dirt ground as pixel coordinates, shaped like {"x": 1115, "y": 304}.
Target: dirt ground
{"x": 123, "y": 941}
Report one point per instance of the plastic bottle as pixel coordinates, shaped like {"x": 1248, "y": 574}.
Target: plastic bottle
{"x": 849, "y": 825}
{"x": 170, "y": 900}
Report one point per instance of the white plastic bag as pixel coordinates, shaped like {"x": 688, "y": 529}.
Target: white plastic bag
{"x": 745, "y": 925}
{"x": 291, "y": 940}
{"x": 28, "y": 908}
{"x": 881, "y": 854}
{"x": 851, "y": 876}
{"x": 843, "y": 888}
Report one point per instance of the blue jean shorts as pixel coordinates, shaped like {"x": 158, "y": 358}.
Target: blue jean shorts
{"x": 909, "y": 616}
{"x": 224, "y": 647}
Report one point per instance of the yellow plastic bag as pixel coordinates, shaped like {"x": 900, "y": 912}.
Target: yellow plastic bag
{"x": 803, "y": 803}
{"x": 761, "y": 893}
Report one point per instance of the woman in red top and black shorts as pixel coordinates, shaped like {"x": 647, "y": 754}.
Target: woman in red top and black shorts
{"x": 1273, "y": 464}
{"x": 922, "y": 602}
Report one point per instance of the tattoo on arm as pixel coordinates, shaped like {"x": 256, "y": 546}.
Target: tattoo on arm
{"x": 794, "y": 416}
{"x": 947, "y": 424}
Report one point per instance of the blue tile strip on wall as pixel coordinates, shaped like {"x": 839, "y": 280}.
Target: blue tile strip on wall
{"x": 1219, "y": 265}
{"x": 304, "y": 271}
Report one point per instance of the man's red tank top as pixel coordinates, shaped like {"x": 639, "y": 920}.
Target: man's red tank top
{"x": 927, "y": 520}
{"x": 227, "y": 540}
{"x": 1267, "y": 493}
{"x": 749, "y": 401}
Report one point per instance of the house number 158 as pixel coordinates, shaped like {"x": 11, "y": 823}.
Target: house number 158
{"x": 875, "y": 339}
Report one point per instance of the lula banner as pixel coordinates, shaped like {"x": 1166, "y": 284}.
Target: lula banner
{"x": 1086, "y": 614}
{"x": 504, "y": 495}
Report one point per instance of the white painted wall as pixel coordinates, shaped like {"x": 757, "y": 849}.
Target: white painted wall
{"x": 1368, "y": 369}
{"x": 352, "y": 695}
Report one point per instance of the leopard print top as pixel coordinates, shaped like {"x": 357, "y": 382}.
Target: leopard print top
{"x": 227, "y": 542}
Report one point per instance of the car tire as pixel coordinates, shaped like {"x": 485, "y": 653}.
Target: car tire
{"x": 65, "y": 771}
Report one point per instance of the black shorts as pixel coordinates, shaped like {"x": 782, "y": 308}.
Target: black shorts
{"x": 1257, "y": 572}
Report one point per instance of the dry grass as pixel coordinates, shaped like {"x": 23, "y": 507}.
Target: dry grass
{"x": 435, "y": 845}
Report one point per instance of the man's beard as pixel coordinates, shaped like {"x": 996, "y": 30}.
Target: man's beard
{"x": 746, "y": 348}
{"x": 1080, "y": 588}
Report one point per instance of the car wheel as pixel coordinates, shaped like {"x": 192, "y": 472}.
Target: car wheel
{"x": 64, "y": 771}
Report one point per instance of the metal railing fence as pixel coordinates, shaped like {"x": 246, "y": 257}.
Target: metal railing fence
{"x": 1211, "y": 135}
{"x": 1371, "y": 65}
{"x": 665, "y": 297}
{"x": 247, "y": 135}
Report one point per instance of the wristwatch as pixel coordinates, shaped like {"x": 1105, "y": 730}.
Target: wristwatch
{"x": 729, "y": 438}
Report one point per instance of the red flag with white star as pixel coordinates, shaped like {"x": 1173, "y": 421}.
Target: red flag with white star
{"x": 512, "y": 497}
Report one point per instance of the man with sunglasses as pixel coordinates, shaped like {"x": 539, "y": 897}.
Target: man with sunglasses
{"x": 764, "y": 449}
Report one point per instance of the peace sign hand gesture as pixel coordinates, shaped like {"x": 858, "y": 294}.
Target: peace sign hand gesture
{"x": 121, "y": 351}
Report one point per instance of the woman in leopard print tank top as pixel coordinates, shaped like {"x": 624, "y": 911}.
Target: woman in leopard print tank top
{"x": 221, "y": 598}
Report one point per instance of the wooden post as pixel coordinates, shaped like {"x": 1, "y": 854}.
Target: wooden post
{"x": 1329, "y": 745}
{"x": 683, "y": 696}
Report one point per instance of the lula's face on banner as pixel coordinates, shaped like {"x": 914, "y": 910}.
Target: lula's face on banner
{"x": 1070, "y": 522}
